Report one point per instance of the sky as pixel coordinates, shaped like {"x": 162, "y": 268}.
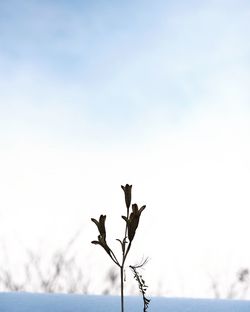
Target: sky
{"x": 154, "y": 94}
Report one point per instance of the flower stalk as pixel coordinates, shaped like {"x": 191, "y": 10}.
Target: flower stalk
{"x": 132, "y": 219}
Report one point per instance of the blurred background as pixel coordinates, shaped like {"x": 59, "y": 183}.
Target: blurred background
{"x": 97, "y": 94}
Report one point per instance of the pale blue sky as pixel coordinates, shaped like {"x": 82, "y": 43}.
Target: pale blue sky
{"x": 152, "y": 93}
{"x": 105, "y": 68}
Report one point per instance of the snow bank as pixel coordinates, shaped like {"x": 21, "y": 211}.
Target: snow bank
{"x": 26, "y": 302}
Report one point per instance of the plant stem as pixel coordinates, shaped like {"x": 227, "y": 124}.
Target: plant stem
{"x": 126, "y": 253}
{"x": 122, "y": 276}
{"x": 124, "y": 256}
{"x": 122, "y": 289}
{"x": 113, "y": 257}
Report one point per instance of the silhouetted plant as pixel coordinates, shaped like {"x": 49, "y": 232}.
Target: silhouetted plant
{"x": 132, "y": 219}
{"x": 141, "y": 283}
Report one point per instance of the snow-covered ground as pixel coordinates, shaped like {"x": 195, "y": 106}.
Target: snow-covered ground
{"x": 26, "y": 302}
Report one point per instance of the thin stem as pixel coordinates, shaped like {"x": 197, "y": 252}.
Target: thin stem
{"x": 124, "y": 256}
{"x": 122, "y": 276}
{"x": 122, "y": 289}
{"x": 113, "y": 257}
{"x": 126, "y": 253}
{"x": 126, "y": 229}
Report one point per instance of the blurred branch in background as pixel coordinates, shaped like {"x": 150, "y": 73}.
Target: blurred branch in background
{"x": 238, "y": 289}
{"x": 113, "y": 282}
{"x": 59, "y": 273}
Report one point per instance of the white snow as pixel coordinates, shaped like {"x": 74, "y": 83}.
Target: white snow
{"x": 27, "y": 302}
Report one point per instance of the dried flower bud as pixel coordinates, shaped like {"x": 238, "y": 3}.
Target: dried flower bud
{"x": 102, "y": 237}
{"x": 127, "y": 192}
{"x": 133, "y": 220}
{"x": 101, "y": 225}
{"x": 102, "y": 242}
